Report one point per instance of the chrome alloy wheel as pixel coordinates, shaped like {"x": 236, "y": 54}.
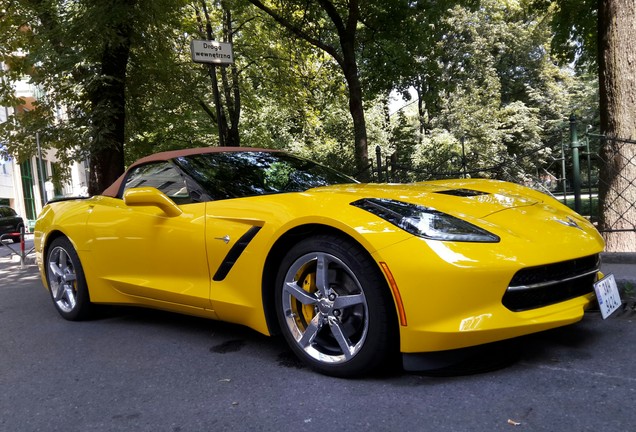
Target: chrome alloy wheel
{"x": 62, "y": 279}
{"x": 325, "y": 308}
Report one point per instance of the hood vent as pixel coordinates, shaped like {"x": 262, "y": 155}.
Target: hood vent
{"x": 466, "y": 193}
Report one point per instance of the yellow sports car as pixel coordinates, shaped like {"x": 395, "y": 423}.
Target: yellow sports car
{"x": 351, "y": 274}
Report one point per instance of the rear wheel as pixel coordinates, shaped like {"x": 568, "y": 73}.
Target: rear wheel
{"x": 66, "y": 281}
{"x": 334, "y": 308}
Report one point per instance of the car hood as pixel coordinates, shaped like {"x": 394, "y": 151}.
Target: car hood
{"x": 475, "y": 197}
{"x": 517, "y": 214}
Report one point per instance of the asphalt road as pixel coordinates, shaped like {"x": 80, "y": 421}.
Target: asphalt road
{"x": 139, "y": 370}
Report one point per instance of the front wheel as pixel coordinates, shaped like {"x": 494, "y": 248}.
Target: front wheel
{"x": 65, "y": 277}
{"x": 334, "y": 308}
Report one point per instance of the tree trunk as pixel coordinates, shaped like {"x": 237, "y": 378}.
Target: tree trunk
{"x": 347, "y": 36}
{"x": 346, "y": 31}
{"x": 108, "y": 100}
{"x": 421, "y": 113}
{"x": 356, "y": 109}
{"x": 228, "y": 133}
{"x": 106, "y": 94}
{"x": 231, "y": 87}
{"x": 617, "y": 83}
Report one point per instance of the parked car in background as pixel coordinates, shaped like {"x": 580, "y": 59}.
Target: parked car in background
{"x": 10, "y": 223}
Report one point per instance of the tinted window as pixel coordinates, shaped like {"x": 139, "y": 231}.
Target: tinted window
{"x": 162, "y": 176}
{"x": 241, "y": 174}
{"x": 7, "y": 212}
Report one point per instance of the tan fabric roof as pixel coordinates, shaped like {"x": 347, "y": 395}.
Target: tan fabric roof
{"x": 113, "y": 190}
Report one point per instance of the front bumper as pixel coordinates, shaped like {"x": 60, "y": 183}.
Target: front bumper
{"x": 452, "y": 293}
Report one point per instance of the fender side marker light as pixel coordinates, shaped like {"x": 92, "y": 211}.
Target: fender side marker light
{"x": 396, "y": 293}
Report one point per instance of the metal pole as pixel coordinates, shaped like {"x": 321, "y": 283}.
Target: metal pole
{"x": 212, "y": 72}
{"x": 463, "y": 139}
{"x": 576, "y": 169}
{"x": 217, "y": 104}
{"x": 22, "y": 248}
{"x": 563, "y": 180}
{"x": 41, "y": 174}
{"x": 378, "y": 157}
{"x": 588, "y": 154}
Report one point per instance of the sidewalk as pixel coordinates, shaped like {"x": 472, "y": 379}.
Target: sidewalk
{"x": 12, "y": 272}
{"x": 10, "y": 258}
{"x": 7, "y": 262}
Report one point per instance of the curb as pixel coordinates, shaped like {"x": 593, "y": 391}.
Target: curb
{"x": 618, "y": 257}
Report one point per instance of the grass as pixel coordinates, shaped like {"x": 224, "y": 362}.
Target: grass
{"x": 589, "y": 206}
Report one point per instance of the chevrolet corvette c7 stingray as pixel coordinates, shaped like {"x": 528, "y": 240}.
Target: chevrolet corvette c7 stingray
{"x": 353, "y": 275}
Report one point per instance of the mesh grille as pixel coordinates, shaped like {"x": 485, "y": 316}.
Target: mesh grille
{"x": 540, "y": 286}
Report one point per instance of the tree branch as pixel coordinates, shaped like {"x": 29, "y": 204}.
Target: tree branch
{"x": 333, "y": 15}
{"x": 207, "y": 110}
{"x": 331, "y": 50}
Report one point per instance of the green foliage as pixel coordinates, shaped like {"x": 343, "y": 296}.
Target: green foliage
{"x": 65, "y": 50}
{"x": 485, "y": 73}
{"x": 575, "y": 30}
{"x": 496, "y": 86}
{"x": 438, "y": 155}
{"x": 165, "y": 87}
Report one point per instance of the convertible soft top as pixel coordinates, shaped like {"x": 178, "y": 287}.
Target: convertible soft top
{"x": 113, "y": 189}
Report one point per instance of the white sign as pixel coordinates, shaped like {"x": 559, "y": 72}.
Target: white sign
{"x": 204, "y": 51}
{"x": 609, "y": 299}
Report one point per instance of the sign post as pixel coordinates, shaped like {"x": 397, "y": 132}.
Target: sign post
{"x": 213, "y": 53}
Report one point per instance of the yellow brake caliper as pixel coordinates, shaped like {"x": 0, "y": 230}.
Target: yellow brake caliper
{"x": 309, "y": 285}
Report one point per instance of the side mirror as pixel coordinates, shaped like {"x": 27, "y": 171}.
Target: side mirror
{"x": 149, "y": 196}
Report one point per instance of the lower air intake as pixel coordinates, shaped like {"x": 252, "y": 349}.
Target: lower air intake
{"x": 535, "y": 287}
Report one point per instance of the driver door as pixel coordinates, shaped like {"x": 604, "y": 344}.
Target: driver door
{"x": 144, "y": 252}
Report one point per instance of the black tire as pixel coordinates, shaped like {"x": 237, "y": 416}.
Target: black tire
{"x": 66, "y": 281}
{"x": 334, "y": 308}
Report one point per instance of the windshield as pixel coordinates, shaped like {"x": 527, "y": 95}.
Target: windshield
{"x": 242, "y": 174}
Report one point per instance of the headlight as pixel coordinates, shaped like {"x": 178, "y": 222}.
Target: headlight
{"x": 425, "y": 222}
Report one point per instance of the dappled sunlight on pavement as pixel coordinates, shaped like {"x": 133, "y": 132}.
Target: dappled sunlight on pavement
{"x": 12, "y": 272}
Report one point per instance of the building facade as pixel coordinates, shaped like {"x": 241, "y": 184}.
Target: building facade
{"x": 26, "y": 185}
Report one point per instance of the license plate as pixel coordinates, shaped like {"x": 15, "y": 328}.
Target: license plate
{"x": 608, "y": 296}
